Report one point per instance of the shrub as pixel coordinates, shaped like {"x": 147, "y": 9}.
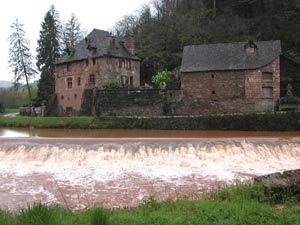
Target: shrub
{"x": 51, "y": 107}
{"x": 111, "y": 84}
{"x": 2, "y": 109}
{"x": 163, "y": 76}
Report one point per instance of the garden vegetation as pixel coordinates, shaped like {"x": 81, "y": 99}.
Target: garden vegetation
{"x": 279, "y": 121}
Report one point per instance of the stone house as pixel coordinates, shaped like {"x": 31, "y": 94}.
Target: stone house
{"x": 233, "y": 77}
{"x": 96, "y": 59}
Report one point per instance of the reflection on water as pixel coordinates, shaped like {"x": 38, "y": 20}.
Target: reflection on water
{"x": 13, "y": 133}
{"x": 107, "y": 133}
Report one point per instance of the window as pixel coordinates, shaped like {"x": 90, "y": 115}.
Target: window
{"x": 68, "y": 67}
{"x": 92, "y": 80}
{"x": 86, "y": 62}
{"x": 267, "y": 92}
{"x": 212, "y": 76}
{"x": 128, "y": 64}
{"x": 124, "y": 81}
{"x": 78, "y": 81}
{"x": 213, "y": 92}
{"x": 120, "y": 63}
{"x": 94, "y": 61}
{"x": 267, "y": 76}
{"x": 69, "y": 82}
{"x": 131, "y": 81}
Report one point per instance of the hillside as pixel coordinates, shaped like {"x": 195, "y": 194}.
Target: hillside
{"x": 5, "y": 84}
{"x": 162, "y": 29}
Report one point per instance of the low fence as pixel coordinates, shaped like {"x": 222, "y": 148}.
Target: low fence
{"x": 32, "y": 111}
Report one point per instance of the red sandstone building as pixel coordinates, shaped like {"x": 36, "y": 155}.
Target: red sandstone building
{"x": 96, "y": 59}
{"x": 234, "y": 77}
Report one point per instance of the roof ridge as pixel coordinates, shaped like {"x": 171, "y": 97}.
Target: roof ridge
{"x": 231, "y": 43}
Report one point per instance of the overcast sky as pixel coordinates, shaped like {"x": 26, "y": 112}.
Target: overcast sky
{"x": 100, "y": 14}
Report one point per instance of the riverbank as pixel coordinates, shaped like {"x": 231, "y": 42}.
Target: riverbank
{"x": 279, "y": 121}
{"x": 236, "y": 205}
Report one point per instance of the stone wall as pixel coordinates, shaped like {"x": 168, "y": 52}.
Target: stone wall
{"x": 134, "y": 102}
{"x": 154, "y": 102}
{"x": 200, "y": 106}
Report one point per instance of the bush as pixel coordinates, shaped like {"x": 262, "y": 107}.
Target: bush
{"x": 111, "y": 84}
{"x": 51, "y": 107}
{"x": 2, "y": 109}
{"x": 163, "y": 76}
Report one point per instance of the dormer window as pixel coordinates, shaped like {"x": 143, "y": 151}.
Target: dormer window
{"x": 250, "y": 48}
{"x": 91, "y": 48}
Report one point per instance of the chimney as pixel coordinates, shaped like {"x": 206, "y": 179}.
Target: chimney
{"x": 110, "y": 41}
{"x": 129, "y": 43}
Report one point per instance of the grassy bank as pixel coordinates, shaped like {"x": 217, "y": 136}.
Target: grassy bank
{"x": 51, "y": 122}
{"x": 9, "y": 111}
{"x": 287, "y": 121}
{"x": 244, "y": 205}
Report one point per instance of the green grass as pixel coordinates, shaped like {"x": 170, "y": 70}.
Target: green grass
{"x": 229, "y": 206}
{"x": 9, "y": 111}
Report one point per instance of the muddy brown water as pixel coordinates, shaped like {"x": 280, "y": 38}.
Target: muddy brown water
{"x": 109, "y": 133}
{"x": 117, "y": 168}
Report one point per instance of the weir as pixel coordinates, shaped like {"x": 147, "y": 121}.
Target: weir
{"x": 125, "y": 172}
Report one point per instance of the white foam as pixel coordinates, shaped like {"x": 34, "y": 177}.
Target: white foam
{"x": 226, "y": 162}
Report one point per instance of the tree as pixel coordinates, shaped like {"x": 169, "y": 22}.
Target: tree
{"x": 48, "y": 51}
{"x": 72, "y": 33}
{"x": 126, "y": 25}
{"x": 160, "y": 77}
{"x": 20, "y": 57}
{"x": 46, "y": 86}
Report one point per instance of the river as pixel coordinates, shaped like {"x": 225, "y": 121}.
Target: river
{"x": 117, "y": 168}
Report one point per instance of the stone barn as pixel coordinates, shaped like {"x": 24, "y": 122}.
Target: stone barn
{"x": 232, "y": 77}
{"x": 96, "y": 59}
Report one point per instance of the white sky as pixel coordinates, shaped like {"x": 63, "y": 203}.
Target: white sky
{"x": 100, "y": 14}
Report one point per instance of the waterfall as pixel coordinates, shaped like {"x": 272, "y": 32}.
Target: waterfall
{"x": 125, "y": 172}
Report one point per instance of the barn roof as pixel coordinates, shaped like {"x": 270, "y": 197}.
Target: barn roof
{"x": 98, "y": 40}
{"x": 229, "y": 56}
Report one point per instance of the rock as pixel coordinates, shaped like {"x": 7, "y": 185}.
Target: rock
{"x": 281, "y": 186}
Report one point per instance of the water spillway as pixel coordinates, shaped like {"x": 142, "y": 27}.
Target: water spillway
{"x": 125, "y": 172}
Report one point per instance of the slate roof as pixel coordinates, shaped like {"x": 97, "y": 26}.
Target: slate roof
{"x": 231, "y": 56}
{"x": 98, "y": 40}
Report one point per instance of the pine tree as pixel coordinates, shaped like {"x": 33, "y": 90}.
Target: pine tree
{"x": 20, "y": 57}
{"x": 48, "y": 51}
{"x": 72, "y": 33}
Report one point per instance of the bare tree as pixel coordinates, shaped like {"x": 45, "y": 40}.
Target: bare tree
{"x": 72, "y": 33}
{"x": 20, "y": 57}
